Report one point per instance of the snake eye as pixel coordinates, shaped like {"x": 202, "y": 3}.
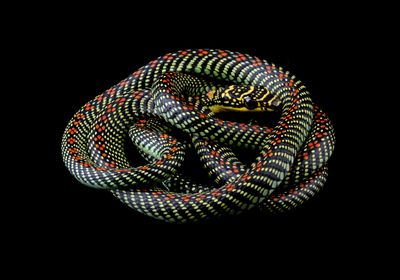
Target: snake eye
{"x": 250, "y": 103}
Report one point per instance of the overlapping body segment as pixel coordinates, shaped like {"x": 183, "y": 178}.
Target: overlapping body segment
{"x": 184, "y": 90}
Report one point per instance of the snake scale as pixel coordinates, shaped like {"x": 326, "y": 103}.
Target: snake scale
{"x": 183, "y": 91}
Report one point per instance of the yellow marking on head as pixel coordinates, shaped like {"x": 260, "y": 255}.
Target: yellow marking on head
{"x": 224, "y": 108}
{"x": 265, "y": 96}
{"x": 226, "y": 92}
{"x": 230, "y": 88}
{"x": 247, "y": 93}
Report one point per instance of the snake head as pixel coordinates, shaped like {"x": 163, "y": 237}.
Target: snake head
{"x": 243, "y": 98}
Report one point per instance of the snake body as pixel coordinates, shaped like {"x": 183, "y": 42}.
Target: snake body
{"x": 166, "y": 94}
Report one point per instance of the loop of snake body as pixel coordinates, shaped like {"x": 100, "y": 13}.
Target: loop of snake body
{"x": 182, "y": 91}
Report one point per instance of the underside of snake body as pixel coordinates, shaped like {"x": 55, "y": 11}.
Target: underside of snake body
{"x": 290, "y": 168}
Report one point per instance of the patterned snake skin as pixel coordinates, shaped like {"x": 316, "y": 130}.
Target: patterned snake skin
{"x": 170, "y": 93}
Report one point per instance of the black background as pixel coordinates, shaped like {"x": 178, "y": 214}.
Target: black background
{"x": 315, "y": 63}
{"x": 83, "y": 60}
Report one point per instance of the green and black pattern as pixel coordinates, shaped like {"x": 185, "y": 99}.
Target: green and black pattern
{"x": 183, "y": 91}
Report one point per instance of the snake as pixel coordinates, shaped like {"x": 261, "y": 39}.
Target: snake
{"x": 185, "y": 92}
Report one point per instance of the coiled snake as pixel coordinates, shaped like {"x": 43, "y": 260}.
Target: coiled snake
{"x": 182, "y": 91}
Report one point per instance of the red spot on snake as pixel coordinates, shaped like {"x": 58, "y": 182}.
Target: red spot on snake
{"x": 245, "y": 177}
{"x": 137, "y": 73}
{"x": 256, "y": 128}
{"x": 71, "y": 140}
{"x": 294, "y": 108}
{"x": 122, "y": 170}
{"x": 174, "y": 149}
{"x": 169, "y": 196}
{"x": 77, "y": 157}
{"x": 99, "y": 98}
{"x": 258, "y": 166}
{"x": 200, "y": 197}
{"x": 153, "y": 64}
{"x": 295, "y": 92}
{"x": 72, "y": 131}
{"x": 222, "y": 53}
{"x": 240, "y": 57}
{"x": 89, "y": 107}
{"x": 202, "y": 52}
{"x": 319, "y": 135}
{"x": 287, "y": 118}
{"x": 121, "y": 100}
{"x": 111, "y": 108}
{"x": 111, "y": 164}
{"x": 123, "y": 83}
{"x": 215, "y": 153}
{"x": 72, "y": 150}
{"x": 230, "y": 187}
{"x": 216, "y": 193}
{"x": 168, "y": 57}
{"x": 100, "y": 128}
{"x": 111, "y": 91}
{"x": 257, "y": 61}
{"x": 169, "y": 156}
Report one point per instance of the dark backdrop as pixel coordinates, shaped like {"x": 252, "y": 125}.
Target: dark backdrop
{"x": 84, "y": 62}
{"x": 109, "y": 61}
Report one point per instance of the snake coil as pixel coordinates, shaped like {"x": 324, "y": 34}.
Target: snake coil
{"x": 167, "y": 94}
